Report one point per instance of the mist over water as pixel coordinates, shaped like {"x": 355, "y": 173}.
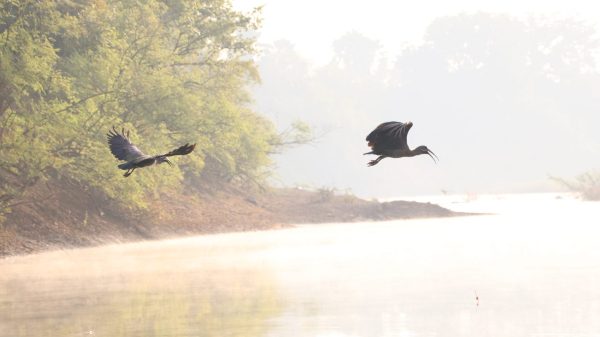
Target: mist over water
{"x": 534, "y": 263}
{"x": 504, "y": 93}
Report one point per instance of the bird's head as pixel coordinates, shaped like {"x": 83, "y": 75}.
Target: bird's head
{"x": 424, "y": 150}
{"x": 163, "y": 159}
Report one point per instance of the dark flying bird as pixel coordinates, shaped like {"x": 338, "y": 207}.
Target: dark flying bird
{"x": 122, "y": 148}
{"x": 389, "y": 140}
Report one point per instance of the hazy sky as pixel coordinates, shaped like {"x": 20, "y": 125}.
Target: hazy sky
{"x": 312, "y": 25}
{"x": 550, "y": 123}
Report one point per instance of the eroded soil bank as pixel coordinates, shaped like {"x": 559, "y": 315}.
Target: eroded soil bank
{"x": 68, "y": 216}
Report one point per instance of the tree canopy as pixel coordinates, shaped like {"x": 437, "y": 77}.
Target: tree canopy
{"x": 170, "y": 71}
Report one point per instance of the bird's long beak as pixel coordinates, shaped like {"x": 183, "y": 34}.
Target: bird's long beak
{"x": 433, "y": 156}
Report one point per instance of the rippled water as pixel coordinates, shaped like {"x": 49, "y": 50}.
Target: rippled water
{"x": 534, "y": 263}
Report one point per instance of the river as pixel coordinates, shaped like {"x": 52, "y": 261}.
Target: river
{"x": 533, "y": 262}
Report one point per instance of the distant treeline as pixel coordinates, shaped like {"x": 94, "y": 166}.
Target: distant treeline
{"x": 171, "y": 72}
{"x": 515, "y": 97}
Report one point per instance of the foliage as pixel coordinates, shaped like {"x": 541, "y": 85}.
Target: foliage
{"x": 170, "y": 71}
{"x": 586, "y": 184}
{"x": 298, "y": 133}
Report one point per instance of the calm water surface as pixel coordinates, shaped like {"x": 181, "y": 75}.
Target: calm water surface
{"x": 535, "y": 265}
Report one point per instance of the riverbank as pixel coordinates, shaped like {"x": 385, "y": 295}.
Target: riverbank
{"x": 66, "y": 216}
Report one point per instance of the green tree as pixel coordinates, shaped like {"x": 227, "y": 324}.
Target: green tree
{"x": 169, "y": 71}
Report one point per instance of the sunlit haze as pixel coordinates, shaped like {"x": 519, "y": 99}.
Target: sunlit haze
{"x": 313, "y": 25}
{"x": 504, "y": 92}
{"x": 286, "y": 168}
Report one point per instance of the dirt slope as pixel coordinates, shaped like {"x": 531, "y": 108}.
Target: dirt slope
{"x": 66, "y": 215}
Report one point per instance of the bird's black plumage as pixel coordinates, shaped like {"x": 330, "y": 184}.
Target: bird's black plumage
{"x": 181, "y": 151}
{"x": 123, "y": 149}
{"x": 389, "y": 135}
{"x": 390, "y": 140}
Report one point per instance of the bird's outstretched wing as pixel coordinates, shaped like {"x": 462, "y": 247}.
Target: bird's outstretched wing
{"x": 181, "y": 151}
{"x": 390, "y": 135}
{"x": 121, "y": 147}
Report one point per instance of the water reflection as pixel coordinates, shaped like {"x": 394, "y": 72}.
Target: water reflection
{"x": 133, "y": 292}
{"x": 535, "y": 266}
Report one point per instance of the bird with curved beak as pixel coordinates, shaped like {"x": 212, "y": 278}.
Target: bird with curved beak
{"x": 389, "y": 140}
{"x": 123, "y": 149}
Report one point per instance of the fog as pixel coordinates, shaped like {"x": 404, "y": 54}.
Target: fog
{"x": 506, "y": 94}
{"x": 398, "y": 278}
{"x": 504, "y": 99}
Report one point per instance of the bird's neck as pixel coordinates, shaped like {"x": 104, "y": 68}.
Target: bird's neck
{"x": 413, "y": 153}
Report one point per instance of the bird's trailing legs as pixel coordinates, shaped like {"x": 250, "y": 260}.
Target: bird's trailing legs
{"x": 375, "y": 161}
{"x": 129, "y": 172}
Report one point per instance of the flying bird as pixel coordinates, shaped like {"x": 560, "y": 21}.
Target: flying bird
{"x": 389, "y": 140}
{"x": 123, "y": 149}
